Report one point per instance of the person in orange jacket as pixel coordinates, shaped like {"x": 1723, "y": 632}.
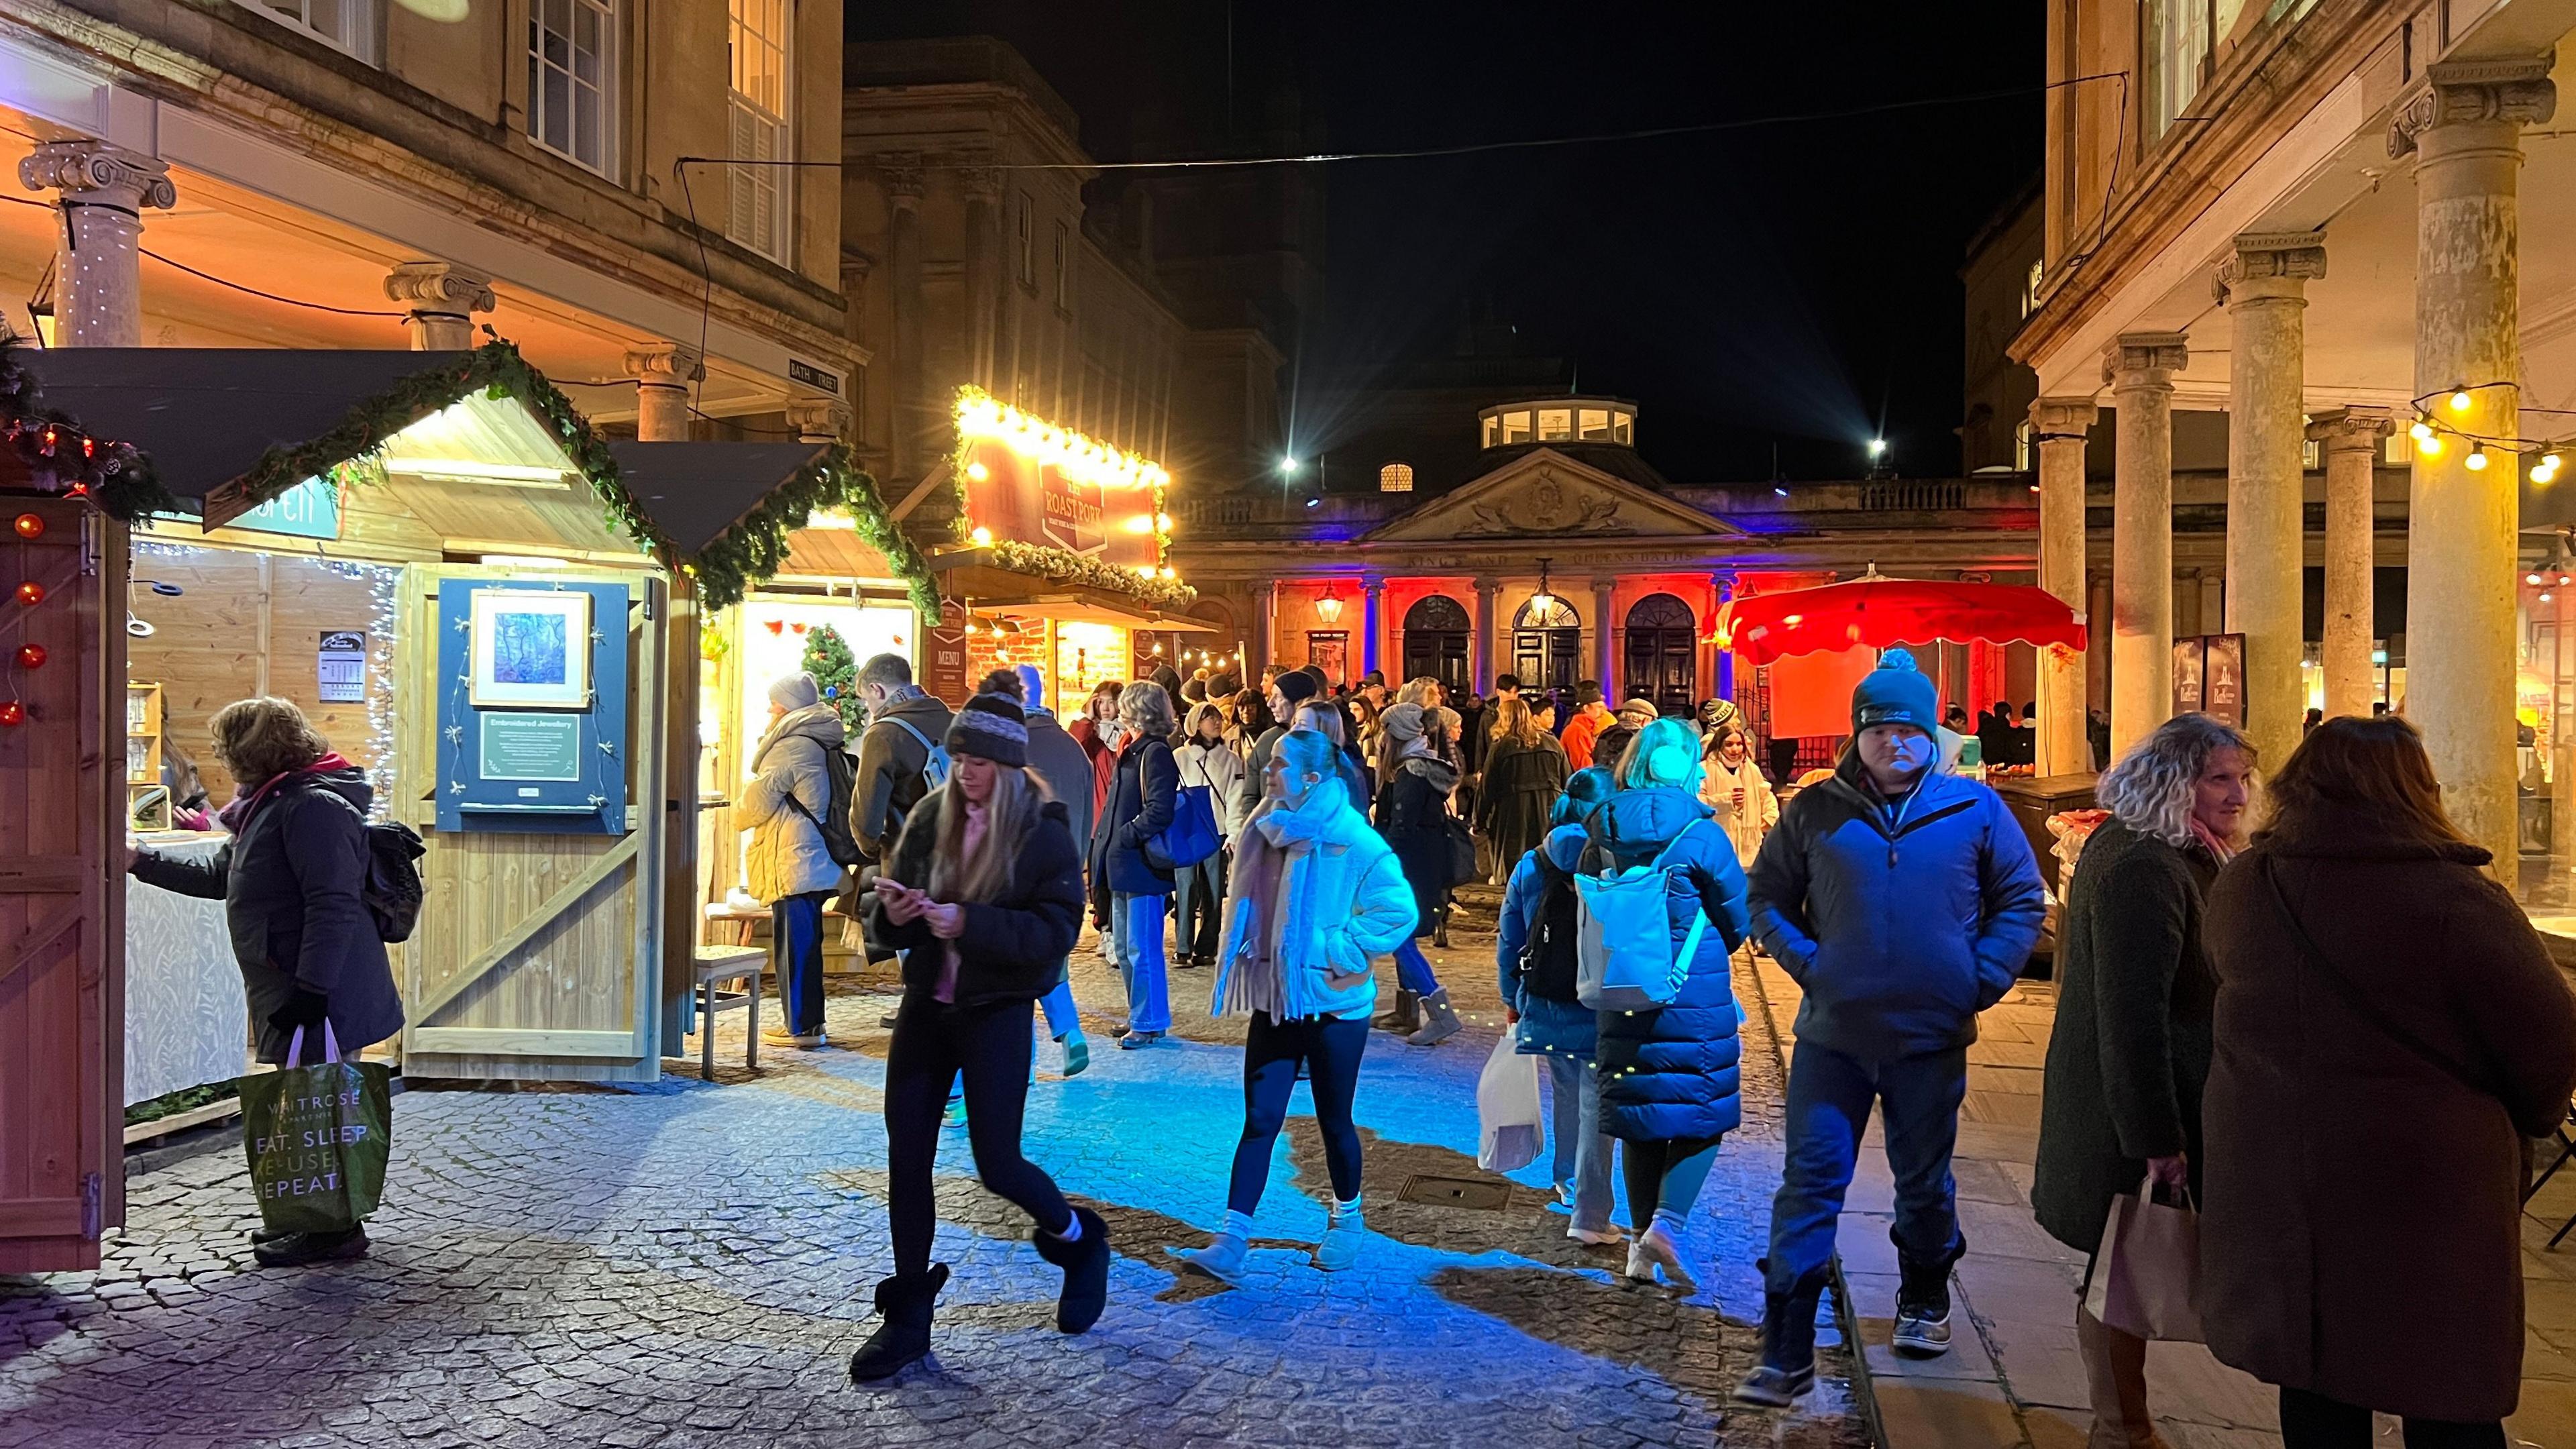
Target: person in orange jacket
{"x": 1590, "y": 718}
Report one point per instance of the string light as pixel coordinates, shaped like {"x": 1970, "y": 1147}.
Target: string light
{"x": 981, "y": 537}
{"x": 384, "y": 585}
{"x": 2422, "y": 430}
{"x": 2460, "y": 398}
{"x": 1078, "y": 457}
{"x": 2430, "y": 446}
{"x": 2477, "y": 459}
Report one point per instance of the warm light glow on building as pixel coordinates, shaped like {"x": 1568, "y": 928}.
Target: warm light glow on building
{"x": 1086, "y": 654}
{"x": 1079, "y": 458}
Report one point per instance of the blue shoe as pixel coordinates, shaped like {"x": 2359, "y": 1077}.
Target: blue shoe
{"x": 1340, "y": 1248}
{"x": 1077, "y": 1053}
{"x": 1222, "y": 1259}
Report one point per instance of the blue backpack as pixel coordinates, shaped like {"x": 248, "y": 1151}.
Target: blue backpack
{"x": 1626, "y": 958}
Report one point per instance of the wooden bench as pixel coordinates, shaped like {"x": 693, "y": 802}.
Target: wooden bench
{"x": 728, "y": 963}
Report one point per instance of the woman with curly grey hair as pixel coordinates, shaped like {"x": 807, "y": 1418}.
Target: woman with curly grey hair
{"x": 1143, "y": 787}
{"x": 2131, "y": 1050}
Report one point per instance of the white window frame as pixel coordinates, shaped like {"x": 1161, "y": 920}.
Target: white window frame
{"x": 748, "y": 116}
{"x": 610, "y": 16}
{"x": 367, "y": 46}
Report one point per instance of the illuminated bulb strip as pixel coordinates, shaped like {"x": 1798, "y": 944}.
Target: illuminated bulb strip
{"x": 1081, "y": 459}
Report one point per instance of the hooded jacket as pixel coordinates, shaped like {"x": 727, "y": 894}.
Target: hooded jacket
{"x": 1413, "y": 816}
{"x": 1547, "y": 1028}
{"x": 1341, "y": 900}
{"x": 890, "y": 766}
{"x": 1013, "y": 946}
{"x": 787, "y": 855}
{"x": 1899, "y": 931}
{"x": 293, "y": 884}
{"x": 1671, "y": 1072}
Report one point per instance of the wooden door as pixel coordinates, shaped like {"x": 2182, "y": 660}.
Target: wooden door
{"x": 539, "y": 953}
{"x": 62, "y": 896}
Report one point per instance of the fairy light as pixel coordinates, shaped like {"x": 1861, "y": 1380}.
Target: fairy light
{"x": 2476, "y": 462}
{"x": 2460, "y": 398}
{"x": 1080, "y": 458}
{"x": 384, "y": 585}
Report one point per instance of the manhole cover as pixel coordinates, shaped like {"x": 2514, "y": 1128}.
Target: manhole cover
{"x": 1459, "y": 1192}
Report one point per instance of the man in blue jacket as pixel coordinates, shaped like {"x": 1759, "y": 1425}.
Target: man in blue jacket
{"x": 1902, "y": 901}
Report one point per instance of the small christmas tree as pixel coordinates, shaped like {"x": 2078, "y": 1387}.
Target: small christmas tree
{"x": 828, "y": 659}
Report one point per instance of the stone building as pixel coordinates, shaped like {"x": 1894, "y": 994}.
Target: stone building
{"x": 2312, "y": 219}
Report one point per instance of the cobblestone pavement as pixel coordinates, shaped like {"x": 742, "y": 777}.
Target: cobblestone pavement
{"x": 690, "y": 1264}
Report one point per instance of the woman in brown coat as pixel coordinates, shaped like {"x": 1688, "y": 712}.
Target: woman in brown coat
{"x": 2388, "y": 1029}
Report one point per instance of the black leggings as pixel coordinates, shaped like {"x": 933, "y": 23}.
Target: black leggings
{"x": 2313, "y": 1421}
{"x": 1331, "y": 1046}
{"x": 933, "y": 1046}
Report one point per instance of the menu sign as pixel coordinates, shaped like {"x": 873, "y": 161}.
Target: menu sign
{"x": 943, "y": 655}
{"x": 2209, "y": 678}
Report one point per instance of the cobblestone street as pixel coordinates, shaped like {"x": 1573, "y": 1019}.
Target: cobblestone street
{"x": 690, "y": 1265}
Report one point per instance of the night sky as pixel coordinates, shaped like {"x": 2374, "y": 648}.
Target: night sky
{"x": 1791, "y": 284}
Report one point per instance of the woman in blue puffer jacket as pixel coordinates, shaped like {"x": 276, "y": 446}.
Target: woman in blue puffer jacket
{"x": 1535, "y": 958}
{"x": 1668, "y": 1074}
{"x": 1315, "y": 894}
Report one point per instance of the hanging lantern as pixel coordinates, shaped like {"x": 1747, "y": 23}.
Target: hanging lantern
{"x": 12, "y": 713}
{"x": 30, "y": 526}
{"x": 31, "y": 656}
{"x": 31, "y": 593}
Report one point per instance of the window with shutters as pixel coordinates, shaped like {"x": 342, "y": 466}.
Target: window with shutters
{"x": 572, "y": 80}
{"x": 760, "y": 213}
{"x": 355, "y": 27}
{"x": 1028, "y": 242}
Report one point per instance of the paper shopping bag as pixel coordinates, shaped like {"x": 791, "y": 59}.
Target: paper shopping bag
{"x": 317, "y": 1137}
{"x": 2146, "y": 1277}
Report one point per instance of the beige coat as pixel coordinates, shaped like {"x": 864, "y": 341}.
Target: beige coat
{"x": 1745, "y": 827}
{"x": 787, "y": 855}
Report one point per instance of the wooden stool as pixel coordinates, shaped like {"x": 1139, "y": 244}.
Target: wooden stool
{"x": 728, "y": 963}
{"x": 741, "y": 922}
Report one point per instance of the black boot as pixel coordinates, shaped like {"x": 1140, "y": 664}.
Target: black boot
{"x": 1407, "y": 1016}
{"x": 1085, "y": 1262}
{"x": 1788, "y": 1366}
{"x": 903, "y": 1332}
{"x": 1923, "y": 1302}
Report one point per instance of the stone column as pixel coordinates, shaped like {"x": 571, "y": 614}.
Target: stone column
{"x": 2058, "y": 425}
{"x": 1605, "y": 642}
{"x": 2349, "y": 438}
{"x": 2213, "y": 600}
{"x": 1372, "y": 621}
{"x": 916, "y": 413}
{"x": 443, "y": 299}
{"x": 98, "y": 274}
{"x": 1486, "y": 589}
{"x": 2265, "y": 288}
{"x": 983, "y": 185}
{"x": 662, "y": 373}
{"x": 819, "y": 419}
{"x": 2097, "y": 649}
{"x": 1265, "y": 604}
{"x": 2139, "y": 369}
{"x": 2465, "y": 122}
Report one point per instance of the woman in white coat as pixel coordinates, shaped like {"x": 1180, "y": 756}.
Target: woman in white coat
{"x": 1733, "y": 786}
{"x": 788, "y": 864}
{"x": 1207, "y": 762}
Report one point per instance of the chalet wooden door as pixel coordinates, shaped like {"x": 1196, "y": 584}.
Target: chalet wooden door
{"x": 538, "y": 955}
{"x": 62, "y": 896}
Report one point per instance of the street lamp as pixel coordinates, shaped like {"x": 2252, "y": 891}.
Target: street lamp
{"x": 1288, "y": 467}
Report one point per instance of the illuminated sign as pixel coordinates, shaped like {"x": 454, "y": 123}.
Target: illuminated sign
{"x": 1028, "y": 480}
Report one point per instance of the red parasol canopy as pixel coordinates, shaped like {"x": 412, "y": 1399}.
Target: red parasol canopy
{"x": 1878, "y": 611}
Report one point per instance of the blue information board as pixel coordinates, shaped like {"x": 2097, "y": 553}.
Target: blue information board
{"x": 557, "y": 770}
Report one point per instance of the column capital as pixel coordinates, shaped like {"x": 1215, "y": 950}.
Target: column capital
{"x": 441, "y": 287}
{"x": 819, "y": 419}
{"x": 981, "y": 178}
{"x": 665, "y": 364}
{"x": 2269, "y": 265}
{"x": 2350, "y": 429}
{"x": 2144, "y": 359}
{"x": 1488, "y": 586}
{"x": 100, "y": 173}
{"x": 901, "y": 171}
{"x": 2459, "y": 92}
{"x": 2053, "y": 418}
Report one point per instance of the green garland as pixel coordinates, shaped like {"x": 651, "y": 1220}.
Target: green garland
{"x": 1065, "y": 566}
{"x": 52, "y": 444}
{"x": 754, "y": 547}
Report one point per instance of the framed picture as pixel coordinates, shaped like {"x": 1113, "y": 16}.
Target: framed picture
{"x": 531, "y": 649}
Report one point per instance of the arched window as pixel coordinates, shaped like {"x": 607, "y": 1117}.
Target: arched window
{"x": 1662, "y": 656}
{"x": 1395, "y": 478}
{"x": 1435, "y": 641}
{"x": 1547, "y": 644}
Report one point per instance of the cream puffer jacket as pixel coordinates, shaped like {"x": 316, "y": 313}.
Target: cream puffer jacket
{"x": 787, "y": 855}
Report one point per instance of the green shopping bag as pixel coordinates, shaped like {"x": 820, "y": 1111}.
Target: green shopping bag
{"x": 317, "y": 1137}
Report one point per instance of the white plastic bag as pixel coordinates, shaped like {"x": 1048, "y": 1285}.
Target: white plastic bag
{"x": 1507, "y": 1109}
{"x": 2146, "y": 1278}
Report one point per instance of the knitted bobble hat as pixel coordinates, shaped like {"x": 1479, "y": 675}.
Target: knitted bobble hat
{"x": 993, "y": 728}
{"x": 1895, "y": 693}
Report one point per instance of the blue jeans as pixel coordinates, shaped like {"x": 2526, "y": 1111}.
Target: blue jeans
{"x": 1136, "y": 923}
{"x": 1413, "y": 970}
{"x": 1061, "y": 1017}
{"x": 796, "y": 958}
{"x": 1582, "y": 1148}
{"x": 1829, "y": 1101}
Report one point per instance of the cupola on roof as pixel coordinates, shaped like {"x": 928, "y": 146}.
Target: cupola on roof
{"x": 1560, "y": 420}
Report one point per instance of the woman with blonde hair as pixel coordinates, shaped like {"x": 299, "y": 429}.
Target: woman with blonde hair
{"x": 983, "y": 896}
{"x": 1144, "y": 785}
{"x": 1525, "y": 771}
{"x": 293, "y": 881}
{"x": 2129, "y": 1056}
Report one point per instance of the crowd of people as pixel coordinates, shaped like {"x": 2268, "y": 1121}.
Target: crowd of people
{"x": 2335, "y": 1034}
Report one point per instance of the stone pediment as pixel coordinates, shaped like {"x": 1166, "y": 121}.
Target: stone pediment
{"x": 1548, "y": 495}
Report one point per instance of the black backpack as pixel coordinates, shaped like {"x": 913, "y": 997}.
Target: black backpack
{"x": 1548, "y": 963}
{"x": 843, "y": 772}
{"x": 393, "y": 890}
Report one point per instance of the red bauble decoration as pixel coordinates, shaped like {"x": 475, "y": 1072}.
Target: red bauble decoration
{"x": 31, "y": 593}
{"x": 31, "y": 656}
{"x": 30, "y": 526}
{"x": 13, "y": 713}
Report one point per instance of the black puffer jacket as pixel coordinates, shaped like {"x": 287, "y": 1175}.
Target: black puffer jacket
{"x": 1013, "y": 948}
{"x": 293, "y": 885}
{"x": 1413, "y": 815}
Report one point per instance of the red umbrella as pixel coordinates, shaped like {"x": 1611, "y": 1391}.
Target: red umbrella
{"x": 1879, "y": 611}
